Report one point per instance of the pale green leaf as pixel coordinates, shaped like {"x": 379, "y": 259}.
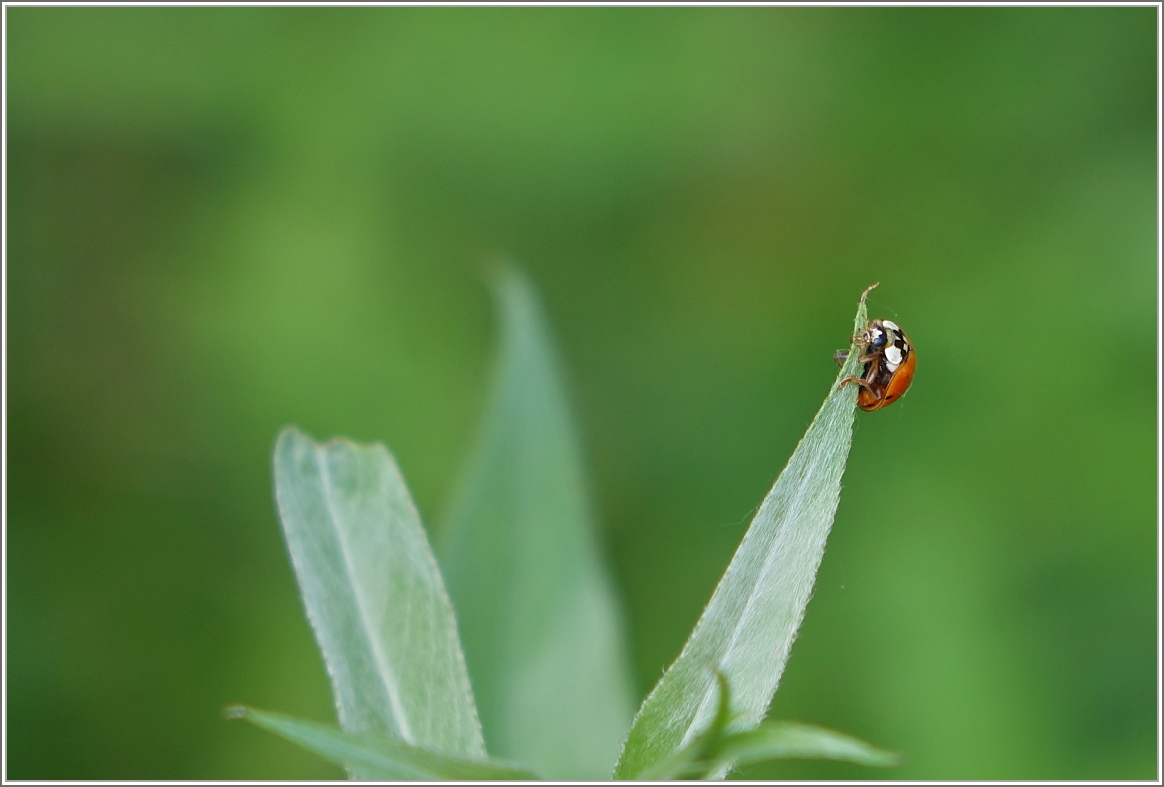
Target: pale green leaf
{"x": 714, "y": 750}
{"x": 792, "y": 740}
{"x": 379, "y": 756}
{"x": 539, "y": 621}
{"x": 747, "y": 629}
{"x": 690, "y": 760}
{"x": 374, "y": 595}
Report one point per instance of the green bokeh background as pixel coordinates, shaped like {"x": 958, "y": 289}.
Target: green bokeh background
{"x": 222, "y": 221}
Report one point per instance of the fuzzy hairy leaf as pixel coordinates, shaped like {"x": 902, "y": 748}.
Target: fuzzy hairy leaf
{"x": 379, "y": 756}
{"x": 747, "y": 629}
{"x": 374, "y": 595}
{"x": 541, "y": 628}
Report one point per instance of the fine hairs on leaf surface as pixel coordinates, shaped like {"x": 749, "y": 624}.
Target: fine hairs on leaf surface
{"x": 747, "y": 628}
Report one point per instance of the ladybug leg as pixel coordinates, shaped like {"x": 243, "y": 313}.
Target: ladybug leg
{"x": 859, "y": 381}
{"x": 878, "y": 394}
{"x": 862, "y": 358}
{"x": 840, "y": 356}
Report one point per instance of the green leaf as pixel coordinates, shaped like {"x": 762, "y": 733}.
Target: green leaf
{"x": 688, "y": 762}
{"x": 379, "y": 756}
{"x": 714, "y": 750}
{"x": 791, "y": 740}
{"x": 374, "y": 595}
{"x": 746, "y": 630}
{"x": 540, "y": 624}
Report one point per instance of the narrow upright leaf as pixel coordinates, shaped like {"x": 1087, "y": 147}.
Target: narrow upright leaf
{"x": 379, "y": 756}
{"x": 747, "y": 628}
{"x": 541, "y": 628}
{"x": 374, "y": 595}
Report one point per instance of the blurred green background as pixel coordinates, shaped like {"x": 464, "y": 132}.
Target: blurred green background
{"x": 222, "y": 221}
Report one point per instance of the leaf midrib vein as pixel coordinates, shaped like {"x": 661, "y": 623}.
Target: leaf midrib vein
{"x": 794, "y": 493}
{"x": 385, "y": 673}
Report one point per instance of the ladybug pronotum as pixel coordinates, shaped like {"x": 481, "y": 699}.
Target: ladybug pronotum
{"x": 889, "y": 362}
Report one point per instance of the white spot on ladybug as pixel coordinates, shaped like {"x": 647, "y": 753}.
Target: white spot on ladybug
{"x": 891, "y": 325}
{"x": 893, "y": 356}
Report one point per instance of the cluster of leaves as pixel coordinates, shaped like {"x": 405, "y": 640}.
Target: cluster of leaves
{"x": 539, "y": 631}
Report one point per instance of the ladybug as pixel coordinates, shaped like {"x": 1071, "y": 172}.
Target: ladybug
{"x": 889, "y": 360}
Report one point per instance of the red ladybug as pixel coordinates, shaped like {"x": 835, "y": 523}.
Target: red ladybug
{"x": 889, "y": 362}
